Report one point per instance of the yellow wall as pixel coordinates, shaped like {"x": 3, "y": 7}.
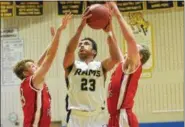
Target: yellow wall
{"x": 159, "y": 98}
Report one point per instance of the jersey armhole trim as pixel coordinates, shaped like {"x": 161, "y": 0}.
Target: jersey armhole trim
{"x": 31, "y": 85}
{"x": 128, "y": 73}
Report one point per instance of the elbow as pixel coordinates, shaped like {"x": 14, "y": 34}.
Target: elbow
{"x": 49, "y": 58}
{"x": 51, "y": 54}
{"x": 118, "y": 58}
{"x": 69, "y": 49}
{"x": 64, "y": 64}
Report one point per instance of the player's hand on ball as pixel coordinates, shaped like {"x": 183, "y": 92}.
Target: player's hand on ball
{"x": 113, "y": 7}
{"x": 108, "y": 28}
{"x": 109, "y": 8}
{"x": 85, "y": 16}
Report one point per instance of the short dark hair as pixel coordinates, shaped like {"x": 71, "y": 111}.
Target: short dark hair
{"x": 94, "y": 45}
{"x": 144, "y": 51}
{"x": 19, "y": 68}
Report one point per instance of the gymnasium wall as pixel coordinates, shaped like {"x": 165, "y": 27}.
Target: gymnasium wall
{"x": 159, "y": 99}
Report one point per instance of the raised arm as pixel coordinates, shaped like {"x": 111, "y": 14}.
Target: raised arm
{"x": 73, "y": 43}
{"x": 114, "y": 50}
{"x": 41, "y": 59}
{"x": 133, "y": 57}
{"x": 40, "y": 73}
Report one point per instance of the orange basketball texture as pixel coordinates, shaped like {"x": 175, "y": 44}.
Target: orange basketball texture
{"x": 100, "y": 16}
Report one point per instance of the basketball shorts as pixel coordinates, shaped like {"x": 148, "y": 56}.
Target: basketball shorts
{"x": 79, "y": 118}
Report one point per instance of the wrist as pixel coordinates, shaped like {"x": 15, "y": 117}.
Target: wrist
{"x": 81, "y": 26}
{"x": 59, "y": 30}
{"x": 118, "y": 14}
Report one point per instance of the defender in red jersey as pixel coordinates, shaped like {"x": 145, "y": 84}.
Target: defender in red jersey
{"x": 124, "y": 81}
{"x": 35, "y": 97}
{"x": 36, "y": 102}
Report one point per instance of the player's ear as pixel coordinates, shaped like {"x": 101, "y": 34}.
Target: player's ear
{"x": 141, "y": 56}
{"x": 94, "y": 52}
{"x": 25, "y": 73}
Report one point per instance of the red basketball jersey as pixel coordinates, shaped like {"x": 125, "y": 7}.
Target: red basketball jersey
{"x": 35, "y": 105}
{"x": 118, "y": 79}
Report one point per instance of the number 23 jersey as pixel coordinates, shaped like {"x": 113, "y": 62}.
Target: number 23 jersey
{"x": 86, "y": 86}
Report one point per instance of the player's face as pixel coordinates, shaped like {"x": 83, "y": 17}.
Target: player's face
{"x": 30, "y": 68}
{"x": 84, "y": 48}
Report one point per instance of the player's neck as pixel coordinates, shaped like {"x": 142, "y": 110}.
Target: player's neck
{"x": 88, "y": 60}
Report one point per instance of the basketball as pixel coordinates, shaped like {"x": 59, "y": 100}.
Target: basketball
{"x": 100, "y": 16}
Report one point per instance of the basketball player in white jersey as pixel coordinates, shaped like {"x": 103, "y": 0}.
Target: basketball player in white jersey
{"x": 85, "y": 78}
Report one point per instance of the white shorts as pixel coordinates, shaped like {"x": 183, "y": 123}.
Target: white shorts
{"x": 88, "y": 119}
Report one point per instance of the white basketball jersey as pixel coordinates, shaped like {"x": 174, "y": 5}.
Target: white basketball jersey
{"x": 86, "y": 86}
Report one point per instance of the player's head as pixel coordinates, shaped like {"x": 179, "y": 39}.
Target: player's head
{"x": 25, "y": 68}
{"x": 144, "y": 53}
{"x": 87, "y": 47}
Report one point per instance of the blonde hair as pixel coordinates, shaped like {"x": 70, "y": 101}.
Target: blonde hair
{"x": 20, "y": 67}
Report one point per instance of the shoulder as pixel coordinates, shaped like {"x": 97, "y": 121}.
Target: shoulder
{"x": 130, "y": 68}
{"x": 78, "y": 63}
{"x": 26, "y": 80}
{"x": 27, "y": 84}
{"x": 118, "y": 67}
{"x": 96, "y": 63}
